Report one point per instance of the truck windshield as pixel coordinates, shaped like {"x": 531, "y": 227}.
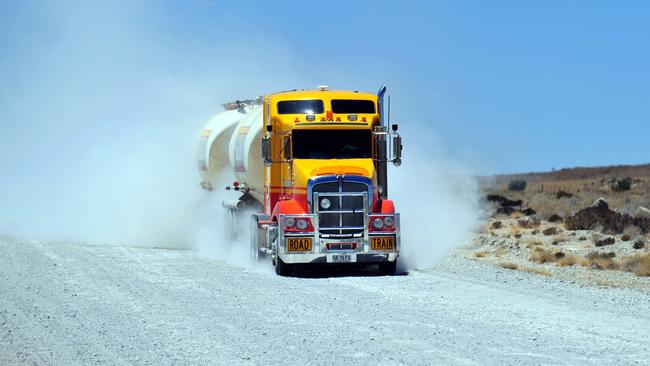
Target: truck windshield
{"x": 352, "y": 106}
{"x": 314, "y": 106}
{"x": 332, "y": 144}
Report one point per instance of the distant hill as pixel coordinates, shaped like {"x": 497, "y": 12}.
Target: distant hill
{"x": 620, "y": 171}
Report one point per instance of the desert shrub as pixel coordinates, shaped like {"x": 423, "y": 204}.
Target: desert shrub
{"x": 568, "y": 260}
{"x": 537, "y": 271}
{"x": 529, "y": 222}
{"x": 550, "y": 231}
{"x": 620, "y": 185}
{"x": 546, "y": 205}
{"x": 509, "y": 265}
{"x": 541, "y": 256}
{"x": 638, "y": 264}
{"x": 496, "y": 225}
{"x": 606, "y": 241}
{"x": 518, "y": 185}
{"x": 558, "y": 239}
{"x": 632, "y": 231}
{"x": 626, "y": 237}
{"x": 562, "y": 194}
{"x": 639, "y": 244}
{"x": 600, "y": 260}
{"x": 555, "y": 218}
{"x": 481, "y": 254}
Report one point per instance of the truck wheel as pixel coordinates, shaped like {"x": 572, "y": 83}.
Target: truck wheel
{"x": 388, "y": 268}
{"x": 281, "y": 268}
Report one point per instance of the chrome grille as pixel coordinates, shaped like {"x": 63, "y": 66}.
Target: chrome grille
{"x": 345, "y": 217}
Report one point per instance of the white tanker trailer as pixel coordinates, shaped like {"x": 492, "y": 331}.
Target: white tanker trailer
{"x": 230, "y": 149}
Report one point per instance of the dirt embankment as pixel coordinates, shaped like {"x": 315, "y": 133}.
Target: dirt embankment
{"x": 555, "y": 233}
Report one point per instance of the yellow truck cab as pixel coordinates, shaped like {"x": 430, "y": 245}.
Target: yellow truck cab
{"x": 325, "y": 199}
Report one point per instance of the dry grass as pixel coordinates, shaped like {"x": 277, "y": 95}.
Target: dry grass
{"x": 514, "y": 230}
{"x": 517, "y": 214}
{"x": 541, "y": 255}
{"x": 559, "y": 239}
{"x": 638, "y": 264}
{"x": 600, "y": 260}
{"x": 534, "y": 243}
{"x": 583, "y": 262}
{"x": 509, "y": 265}
{"x": 537, "y": 271}
{"x": 631, "y": 232}
{"x": 529, "y": 222}
{"x": 481, "y": 254}
{"x": 541, "y": 193}
{"x": 567, "y": 261}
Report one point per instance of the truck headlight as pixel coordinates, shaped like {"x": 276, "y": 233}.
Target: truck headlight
{"x": 289, "y": 221}
{"x": 325, "y": 203}
{"x": 389, "y": 221}
{"x": 301, "y": 224}
{"x": 377, "y": 223}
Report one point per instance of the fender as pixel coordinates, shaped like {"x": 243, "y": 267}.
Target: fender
{"x": 387, "y": 207}
{"x": 291, "y": 206}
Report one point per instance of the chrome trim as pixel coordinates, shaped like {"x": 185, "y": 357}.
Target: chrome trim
{"x": 313, "y": 257}
{"x": 282, "y": 243}
{"x": 319, "y": 251}
{"x": 316, "y": 209}
{"x": 366, "y": 222}
{"x": 341, "y": 194}
{"x": 339, "y": 212}
{"x": 345, "y": 228}
{"x": 333, "y": 178}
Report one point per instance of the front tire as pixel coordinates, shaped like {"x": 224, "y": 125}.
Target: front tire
{"x": 281, "y": 268}
{"x": 388, "y": 268}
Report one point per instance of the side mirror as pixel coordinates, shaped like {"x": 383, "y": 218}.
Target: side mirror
{"x": 266, "y": 151}
{"x": 397, "y": 149}
{"x": 286, "y": 147}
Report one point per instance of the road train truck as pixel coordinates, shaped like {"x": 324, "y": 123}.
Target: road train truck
{"x": 310, "y": 174}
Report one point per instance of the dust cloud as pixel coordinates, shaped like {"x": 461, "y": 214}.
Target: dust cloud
{"x": 438, "y": 201}
{"x": 100, "y": 109}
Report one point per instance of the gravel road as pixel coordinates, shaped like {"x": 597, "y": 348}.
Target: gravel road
{"x": 66, "y": 303}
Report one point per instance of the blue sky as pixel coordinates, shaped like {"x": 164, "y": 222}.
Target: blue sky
{"x": 505, "y": 86}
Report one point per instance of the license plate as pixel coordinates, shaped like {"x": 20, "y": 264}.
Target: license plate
{"x": 382, "y": 243}
{"x": 299, "y": 244}
{"x": 341, "y": 258}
